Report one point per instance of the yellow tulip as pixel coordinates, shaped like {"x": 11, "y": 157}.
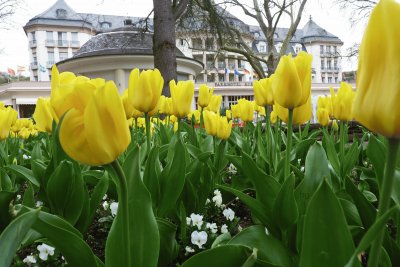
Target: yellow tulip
{"x": 301, "y": 114}
{"x": 335, "y": 126}
{"x": 173, "y": 119}
{"x": 263, "y": 92}
{"x": 130, "y": 111}
{"x": 144, "y": 89}
{"x": 376, "y": 103}
{"x": 235, "y": 111}
{"x": 342, "y": 102}
{"x": 7, "y": 118}
{"x": 246, "y": 108}
{"x": 95, "y": 130}
{"x": 228, "y": 114}
{"x": 215, "y": 103}
{"x": 165, "y": 106}
{"x": 210, "y": 122}
{"x": 182, "y": 96}
{"x": 205, "y": 94}
{"x": 224, "y": 128}
{"x": 326, "y": 103}
{"x": 292, "y": 81}
{"x": 43, "y": 115}
{"x": 323, "y": 116}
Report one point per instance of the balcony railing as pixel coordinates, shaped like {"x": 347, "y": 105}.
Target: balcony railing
{"x": 50, "y": 43}
{"x": 62, "y": 43}
{"x": 32, "y": 44}
{"x": 75, "y": 43}
{"x": 34, "y": 66}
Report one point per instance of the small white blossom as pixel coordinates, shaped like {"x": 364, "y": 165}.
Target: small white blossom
{"x": 39, "y": 204}
{"x": 24, "y": 156}
{"x": 229, "y": 214}
{"x": 240, "y": 228}
{"x": 29, "y": 259}
{"x": 266, "y": 231}
{"x": 213, "y": 227}
{"x": 217, "y": 200}
{"x": 105, "y": 197}
{"x": 114, "y": 208}
{"x": 189, "y": 249}
{"x": 197, "y": 220}
{"x": 188, "y": 220}
{"x": 45, "y": 251}
{"x": 199, "y": 238}
{"x": 224, "y": 229}
{"x": 232, "y": 169}
{"x": 105, "y": 205}
{"x": 208, "y": 201}
{"x": 18, "y": 197}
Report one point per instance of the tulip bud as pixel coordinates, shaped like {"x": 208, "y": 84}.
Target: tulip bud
{"x": 342, "y": 102}
{"x": 43, "y": 115}
{"x": 263, "y": 92}
{"x": 205, "y": 94}
{"x": 215, "y": 103}
{"x": 224, "y": 128}
{"x": 323, "y": 116}
{"x": 246, "y": 110}
{"x": 182, "y": 96}
{"x": 378, "y": 85}
{"x": 210, "y": 122}
{"x": 7, "y": 118}
{"x": 301, "y": 114}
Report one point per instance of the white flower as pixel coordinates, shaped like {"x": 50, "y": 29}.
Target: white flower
{"x": 105, "y": 205}
{"x": 188, "y": 220}
{"x": 217, "y": 192}
{"x": 240, "y": 228}
{"x": 114, "y": 208}
{"x": 197, "y": 220}
{"x": 213, "y": 227}
{"x": 199, "y": 238}
{"x": 208, "y": 201}
{"x": 189, "y": 249}
{"x": 229, "y": 214}
{"x": 217, "y": 199}
{"x": 105, "y": 197}
{"x": 266, "y": 231}
{"x": 24, "y": 156}
{"x": 18, "y": 197}
{"x": 232, "y": 169}
{"x": 45, "y": 251}
{"x": 29, "y": 259}
{"x": 224, "y": 229}
{"x": 39, "y": 204}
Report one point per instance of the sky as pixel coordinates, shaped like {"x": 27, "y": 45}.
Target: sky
{"x": 14, "y": 43}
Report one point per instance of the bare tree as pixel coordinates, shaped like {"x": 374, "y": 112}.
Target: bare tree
{"x": 360, "y": 9}
{"x": 166, "y": 13}
{"x": 7, "y": 9}
{"x": 268, "y": 14}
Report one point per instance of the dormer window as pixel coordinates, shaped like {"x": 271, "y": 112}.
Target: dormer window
{"x": 105, "y": 25}
{"x": 61, "y": 13}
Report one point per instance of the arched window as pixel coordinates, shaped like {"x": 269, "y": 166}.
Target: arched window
{"x": 61, "y": 13}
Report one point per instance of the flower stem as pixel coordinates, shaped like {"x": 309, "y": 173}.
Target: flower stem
{"x": 288, "y": 142}
{"x": 123, "y": 210}
{"x": 147, "y": 119}
{"x": 341, "y": 150}
{"x": 384, "y": 198}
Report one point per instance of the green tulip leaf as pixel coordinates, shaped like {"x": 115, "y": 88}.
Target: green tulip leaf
{"x": 326, "y": 238}
{"x": 331, "y": 152}
{"x": 5, "y": 199}
{"x": 376, "y": 152}
{"x": 23, "y": 172}
{"x": 151, "y": 176}
{"x": 169, "y": 247}
{"x": 13, "y": 235}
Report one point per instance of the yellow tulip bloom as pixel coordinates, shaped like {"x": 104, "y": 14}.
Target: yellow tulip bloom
{"x": 301, "y": 114}
{"x": 196, "y": 114}
{"x": 7, "y": 118}
{"x": 273, "y": 117}
{"x": 95, "y": 130}
{"x": 165, "y": 106}
{"x": 228, "y": 114}
{"x": 376, "y": 103}
{"x": 144, "y": 89}
{"x": 205, "y": 94}
{"x": 342, "y": 102}
{"x": 263, "y": 92}
{"x": 182, "y": 96}
{"x": 130, "y": 111}
{"x": 326, "y": 103}
{"x": 292, "y": 81}
{"x": 43, "y": 115}
{"x": 323, "y": 116}
{"x": 224, "y": 128}
{"x": 215, "y": 103}
{"x": 210, "y": 122}
{"x": 235, "y": 111}
{"x": 246, "y": 109}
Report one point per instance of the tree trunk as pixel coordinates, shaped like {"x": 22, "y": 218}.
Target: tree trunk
{"x": 164, "y": 42}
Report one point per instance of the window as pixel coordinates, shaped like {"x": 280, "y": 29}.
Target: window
{"x": 321, "y": 48}
{"x": 35, "y": 78}
{"x": 105, "y": 25}
{"x": 323, "y": 79}
{"x": 182, "y": 42}
{"x": 335, "y": 49}
{"x": 335, "y": 64}
{"x": 62, "y": 38}
{"x": 262, "y": 49}
{"x": 74, "y": 36}
{"x": 232, "y": 100}
{"x": 336, "y": 79}
{"x": 328, "y": 48}
{"x": 61, "y": 13}
{"x": 33, "y": 34}
{"x": 63, "y": 55}
{"x": 49, "y": 36}
{"x": 322, "y": 64}
{"x": 329, "y": 79}
{"x": 329, "y": 65}
{"x": 298, "y": 49}
{"x": 34, "y": 58}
